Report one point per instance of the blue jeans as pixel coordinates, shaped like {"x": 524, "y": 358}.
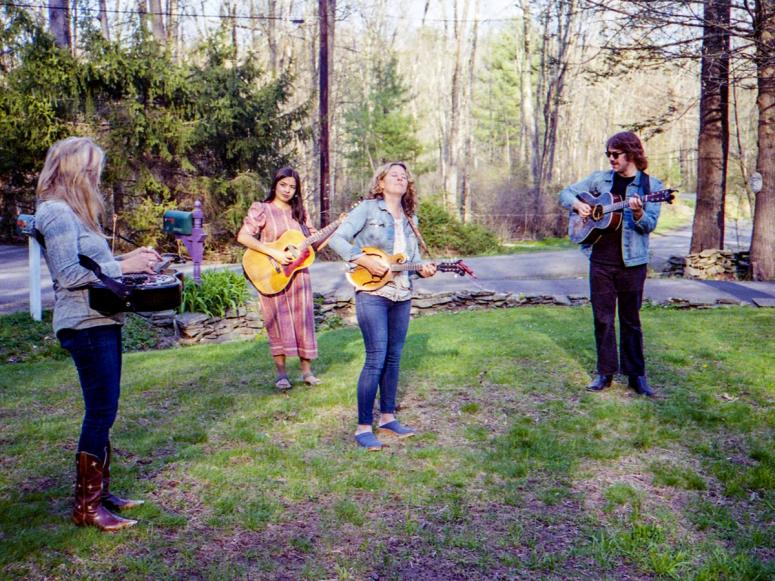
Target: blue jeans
{"x": 96, "y": 352}
{"x": 384, "y": 324}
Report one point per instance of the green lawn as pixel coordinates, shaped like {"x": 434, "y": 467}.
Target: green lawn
{"x": 517, "y": 473}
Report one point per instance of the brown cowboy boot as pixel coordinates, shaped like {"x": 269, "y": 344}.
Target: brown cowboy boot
{"x": 111, "y": 501}
{"x": 88, "y": 509}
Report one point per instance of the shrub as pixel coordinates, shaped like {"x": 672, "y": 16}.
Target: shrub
{"x": 446, "y": 235}
{"x": 218, "y": 291}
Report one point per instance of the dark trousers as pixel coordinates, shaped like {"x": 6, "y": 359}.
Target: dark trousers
{"x": 608, "y": 286}
{"x": 384, "y": 324}
{"x": 96, "y": 352}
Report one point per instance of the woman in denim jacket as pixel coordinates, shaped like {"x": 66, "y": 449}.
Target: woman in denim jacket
{"x": 382, "y": 221}
{"x": 618, "y": 261}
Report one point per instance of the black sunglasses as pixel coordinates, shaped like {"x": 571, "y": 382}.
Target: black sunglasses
{"x": 614, "y": 154}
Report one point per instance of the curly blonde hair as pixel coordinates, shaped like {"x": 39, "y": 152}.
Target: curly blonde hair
{"x": 408, "y": 200}
{"x": 71, "y": 173}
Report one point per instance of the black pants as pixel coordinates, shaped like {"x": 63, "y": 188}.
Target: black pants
{"x": 609, "y": 285}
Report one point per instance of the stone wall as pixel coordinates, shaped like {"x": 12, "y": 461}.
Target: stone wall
{"x": 339, "y": 310}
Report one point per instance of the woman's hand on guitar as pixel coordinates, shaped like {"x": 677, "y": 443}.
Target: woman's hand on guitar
{"x": 283, "y": 256}
{"x": 147, "y": 251}
{"x": 582, "y": 209}
{"x": 373, "y": 265}
{"x": 140, "y": 260}
{"x": 427, "y": 270}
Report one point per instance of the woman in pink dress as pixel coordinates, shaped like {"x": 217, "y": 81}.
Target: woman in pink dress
{"x": 288, "y": 315}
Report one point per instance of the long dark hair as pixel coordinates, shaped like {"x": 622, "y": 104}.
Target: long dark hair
{"x": 297, "y": 204}
{"x": 629, "y": 143}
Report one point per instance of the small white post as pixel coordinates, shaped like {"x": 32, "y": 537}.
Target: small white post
{"x": 36, "y": 308}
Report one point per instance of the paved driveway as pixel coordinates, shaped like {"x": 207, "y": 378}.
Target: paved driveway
{"x": 551, "y": 273}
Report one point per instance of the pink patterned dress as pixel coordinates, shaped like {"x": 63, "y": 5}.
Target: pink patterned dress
{"x": 288, "y": 316}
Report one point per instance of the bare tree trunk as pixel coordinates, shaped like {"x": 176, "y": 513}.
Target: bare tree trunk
{"x": 452, "y": 140}
{"x": 763, "y": 239}
{"x": 157, "y": 21}
{"x": 271, "y": 35}
{"x": 529, "y": 138}
{"x": 465, "y": 198}
{"x": 142, "y": 13}
{"x": 59, "y": 22}
{"x": 103, "y": 16}
{"x": 713, "y": 143}
{"x": 173, "y": 26}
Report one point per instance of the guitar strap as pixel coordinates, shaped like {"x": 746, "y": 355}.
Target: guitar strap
{"x": 645, "y": 183}
{"x": 116, "y": 287}
{"x": 418, "y": 235}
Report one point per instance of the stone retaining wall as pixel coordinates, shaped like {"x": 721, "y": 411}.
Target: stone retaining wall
{"x": 336, "y": 310}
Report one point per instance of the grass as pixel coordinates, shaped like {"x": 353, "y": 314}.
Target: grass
{"x": 516, "y": 473}
{"x": 526, "y": 246}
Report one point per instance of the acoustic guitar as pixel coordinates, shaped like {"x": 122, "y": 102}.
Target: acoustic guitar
{"x": 605, "y": 214}
{"x": 363, "y": 280}
{"x": 269, "y": 276}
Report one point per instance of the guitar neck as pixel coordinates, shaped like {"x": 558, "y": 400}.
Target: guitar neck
{"x": 616, "y": 206}
{"x": 321, "y": 234}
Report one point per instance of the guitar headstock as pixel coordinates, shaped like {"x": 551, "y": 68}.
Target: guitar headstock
{"x": 458, "y": 267}
{"x": 662, "y": 196}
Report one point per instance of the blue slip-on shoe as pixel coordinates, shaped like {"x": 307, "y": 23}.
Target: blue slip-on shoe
{"x": 394, "y": 428}
{"x": 369, "y": 441}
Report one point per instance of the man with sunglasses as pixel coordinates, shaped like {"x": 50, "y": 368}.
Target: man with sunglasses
{"x": 618, "y": 260}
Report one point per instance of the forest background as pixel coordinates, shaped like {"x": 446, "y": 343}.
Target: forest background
{"x": 494, "y": 104}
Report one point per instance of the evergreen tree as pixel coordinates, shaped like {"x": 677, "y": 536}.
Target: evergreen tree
{"x": 377, "y": 125}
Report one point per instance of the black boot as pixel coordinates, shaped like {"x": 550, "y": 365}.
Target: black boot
{"x": 109, "y": 500}
{"x": 641, "y": 385}
{"x": 600, "y": 382}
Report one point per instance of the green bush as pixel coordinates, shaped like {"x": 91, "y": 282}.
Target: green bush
{"x": 446, "y": 235}
{"x": 218, "y": 291}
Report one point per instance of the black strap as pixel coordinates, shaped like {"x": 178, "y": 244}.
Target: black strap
{"x": 115, "y": 286}
{"x": 645, "y": 183}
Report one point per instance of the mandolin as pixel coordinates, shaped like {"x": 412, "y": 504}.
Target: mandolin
{"x": 605, "y": 214}
{"x": 363, "y": 280}
{"x": 269, "y": 276}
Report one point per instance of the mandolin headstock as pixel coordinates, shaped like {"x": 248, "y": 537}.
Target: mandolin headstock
{"x": 458, "y": 267}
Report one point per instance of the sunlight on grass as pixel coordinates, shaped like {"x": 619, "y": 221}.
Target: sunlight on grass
{"x": 505, "y": 433}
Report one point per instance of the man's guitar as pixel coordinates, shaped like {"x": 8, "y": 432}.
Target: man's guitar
{"x": 269, "y": 276}
{"x": 362, "y": 279}
{"x": 605, "y": 215}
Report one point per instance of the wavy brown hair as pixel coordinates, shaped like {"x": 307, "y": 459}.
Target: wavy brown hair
{"x": 408, "y": 200}
{"x": 71, "y": 173}
{"x": 630, "y": 144}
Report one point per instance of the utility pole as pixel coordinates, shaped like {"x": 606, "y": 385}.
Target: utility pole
{"x": 325, "y": 200}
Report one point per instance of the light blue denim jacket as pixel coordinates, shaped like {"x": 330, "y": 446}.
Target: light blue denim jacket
{"x": 371, "y": 224}
{"x": 635, "y": 233}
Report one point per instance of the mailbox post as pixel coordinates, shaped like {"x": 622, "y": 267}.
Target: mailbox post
{"x": 26, "y": 225}
{"x": 189, "y": 228}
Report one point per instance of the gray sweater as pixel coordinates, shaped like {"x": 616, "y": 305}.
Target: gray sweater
{"x": 67, "y": 237}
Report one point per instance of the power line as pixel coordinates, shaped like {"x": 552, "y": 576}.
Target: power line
{"x": 176, "y": 14}
{"x": 260, "y": 16}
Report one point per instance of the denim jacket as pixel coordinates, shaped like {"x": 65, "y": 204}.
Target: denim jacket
{"x": 635, "y": 233}
{"x": 371, "y": 224}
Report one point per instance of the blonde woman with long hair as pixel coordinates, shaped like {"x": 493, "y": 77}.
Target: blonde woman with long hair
{"x": 382, "y": 221}
{"x": 69, "y": 213}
